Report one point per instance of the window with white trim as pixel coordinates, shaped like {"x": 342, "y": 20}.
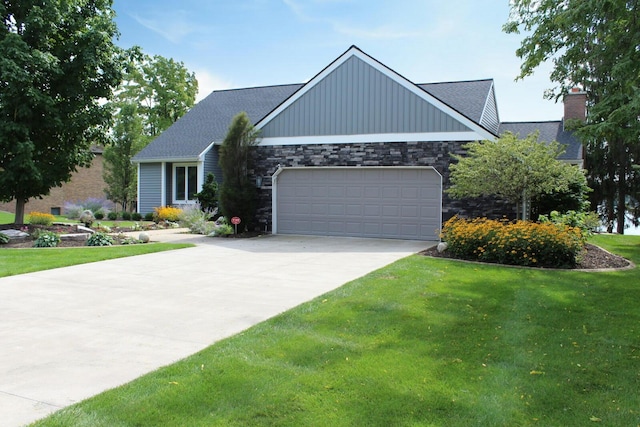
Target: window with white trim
{"x": 185, "y": 183}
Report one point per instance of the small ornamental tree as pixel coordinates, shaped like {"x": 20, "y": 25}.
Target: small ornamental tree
{"x": 517, "y": 170}
{"x": 208, "y": 196}
{"x": 237, "y": 192}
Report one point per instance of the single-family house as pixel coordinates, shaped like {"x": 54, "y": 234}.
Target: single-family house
{"x": 358, "y": 150}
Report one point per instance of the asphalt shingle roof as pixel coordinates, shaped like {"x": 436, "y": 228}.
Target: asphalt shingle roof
{"x": 549, "y": 131}
{"x": 209, "y": 120}
{"x": 468, "y": 97}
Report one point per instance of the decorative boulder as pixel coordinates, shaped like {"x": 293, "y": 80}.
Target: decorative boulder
{"x": 144, "y": 237}
{"x": 442, "y": 246}
{"x": 87, "y": 218}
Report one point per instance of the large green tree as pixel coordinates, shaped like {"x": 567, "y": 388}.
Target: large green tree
{"x": 594, "y": 45}
{"x": 58, "y": 65}
{"x": 127, "y": 139}
{"x": 237, "y": 192}
{"x": 163, "y": 89}
{"x": 514, "y": 169}
{"x": 155, "y": 92}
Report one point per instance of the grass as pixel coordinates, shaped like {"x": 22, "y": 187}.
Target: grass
{"x": 20, "y": 261}
{"x": 422, "y": 342}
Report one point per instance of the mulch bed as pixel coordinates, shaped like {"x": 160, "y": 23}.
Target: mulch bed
{"x": 592, "y": 258}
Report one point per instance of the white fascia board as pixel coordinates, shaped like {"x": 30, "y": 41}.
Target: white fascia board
{"x": 486, "y": 104}
{"x": 354, "y": 51}
{"x": 170, "y": 160}
{"x": 376, "y": 138}
{"x": 202, "y": 155}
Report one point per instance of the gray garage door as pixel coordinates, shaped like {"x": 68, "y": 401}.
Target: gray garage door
{"x": 384, "y": 202}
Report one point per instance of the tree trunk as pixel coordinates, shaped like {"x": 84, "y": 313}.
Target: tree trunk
{"x": 621, "y": 192}
{"x": 19, "y": 219}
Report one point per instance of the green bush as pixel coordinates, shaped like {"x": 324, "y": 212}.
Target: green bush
{"x": 136, "y": 216}
{"x": 99, "y": 215}
{"x": 126, "y": 216}
{"x": 148, "y": 216}
{"x": 99, "y": 239}
{"x": 39, "y": 218}
{"x": 3, "y": 239}
{"x": 46, "y": 239}
{"x": 514, "y": 243}
{"x": 222, "y": 230}
{"x": 195, "y": 219}
{"x": 112, "y": 216}
{"x": 588, "y": 222}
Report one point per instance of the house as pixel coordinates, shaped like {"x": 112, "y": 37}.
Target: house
{"x": 358, "y": 150}
{"x": 85, "y": 183}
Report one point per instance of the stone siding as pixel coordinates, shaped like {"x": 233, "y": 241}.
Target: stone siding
{"x": 436, "y": 154}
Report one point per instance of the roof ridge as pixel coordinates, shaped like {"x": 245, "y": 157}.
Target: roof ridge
{"x": 532, "y": 121}
{"x": 256, "y": 87}
{"x": 488, "y": 79}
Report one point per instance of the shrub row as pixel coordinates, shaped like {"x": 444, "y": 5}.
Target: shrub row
{"x": 514, "y": 243}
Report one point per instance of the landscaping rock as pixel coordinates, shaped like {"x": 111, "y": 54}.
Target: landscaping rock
{"x": 442, "y": 246}
{"x": 15, "y": 234}
{"x": 144, "y": 237}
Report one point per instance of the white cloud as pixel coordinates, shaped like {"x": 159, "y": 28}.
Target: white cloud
{"x": 208, "y": 82}
{"x": 174, "y": 27}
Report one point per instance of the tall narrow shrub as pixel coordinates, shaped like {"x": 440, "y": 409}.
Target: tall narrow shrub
{"x": 237, "y": 192}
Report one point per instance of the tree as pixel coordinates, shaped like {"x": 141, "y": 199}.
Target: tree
{"x": 237, "y": 192}
{"x": 208, "y": 196}
{"x": 58, "y": 64}
{"x": 517, "y": 170}
{"x": 163, "y": 89}
{"x": 154, "y": 94}
{"x": 120, "y": 174}
{"x": 594, "y": 45}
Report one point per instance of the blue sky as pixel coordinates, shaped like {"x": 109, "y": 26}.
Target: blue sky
{"x": 244, "y": 43}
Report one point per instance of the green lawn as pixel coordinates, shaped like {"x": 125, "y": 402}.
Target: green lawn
{"x": 20, "y": 261}
{"x": 422, "y": 342}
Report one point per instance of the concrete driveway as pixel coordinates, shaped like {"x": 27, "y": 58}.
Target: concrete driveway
{"x": 70, "y": 333}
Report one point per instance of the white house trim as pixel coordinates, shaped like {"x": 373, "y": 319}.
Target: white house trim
{"x": 376, "y": 138}
{"x": 163, "y": 179}
{"x": 354, "y": 51}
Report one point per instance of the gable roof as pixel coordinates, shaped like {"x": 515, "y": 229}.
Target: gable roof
{"x": 350, "y": 101}
{"x": 472, "y": 103}
{"x": 549, "y": 131}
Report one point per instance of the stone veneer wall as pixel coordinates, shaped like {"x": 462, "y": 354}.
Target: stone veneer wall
{"x": 436, "y": 154}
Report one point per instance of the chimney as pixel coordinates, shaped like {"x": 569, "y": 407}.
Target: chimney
{"x": 575, "y": 105}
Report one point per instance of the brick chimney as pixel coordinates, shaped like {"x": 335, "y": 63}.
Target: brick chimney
{"x": 575, "y": 104}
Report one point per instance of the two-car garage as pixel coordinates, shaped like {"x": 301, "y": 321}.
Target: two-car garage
{"x": 382, "y": 202}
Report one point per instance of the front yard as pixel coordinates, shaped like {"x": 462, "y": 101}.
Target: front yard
{"x": 421, "y": 342}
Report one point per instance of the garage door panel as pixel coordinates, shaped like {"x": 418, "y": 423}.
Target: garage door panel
{"x": 368, "y": 202}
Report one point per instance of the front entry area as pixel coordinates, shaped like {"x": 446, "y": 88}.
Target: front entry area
{"x": 380, "y": 202}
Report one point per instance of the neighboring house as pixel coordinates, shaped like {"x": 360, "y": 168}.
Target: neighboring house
{"x": 358, "y": 150}
{"x": 85, "y": 183}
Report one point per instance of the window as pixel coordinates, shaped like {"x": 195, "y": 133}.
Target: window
{"x": 185, "y": 183}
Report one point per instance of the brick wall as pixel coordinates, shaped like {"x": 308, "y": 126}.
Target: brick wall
{"x": 85, "y": 183}
{"x": 436, "y": 154}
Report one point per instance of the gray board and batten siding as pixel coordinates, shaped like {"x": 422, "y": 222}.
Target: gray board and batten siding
{"x": 380, "y": 202}
{"x": 357, "y": 99}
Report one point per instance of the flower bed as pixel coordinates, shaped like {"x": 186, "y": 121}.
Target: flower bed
{"x": 514, "y": 243}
